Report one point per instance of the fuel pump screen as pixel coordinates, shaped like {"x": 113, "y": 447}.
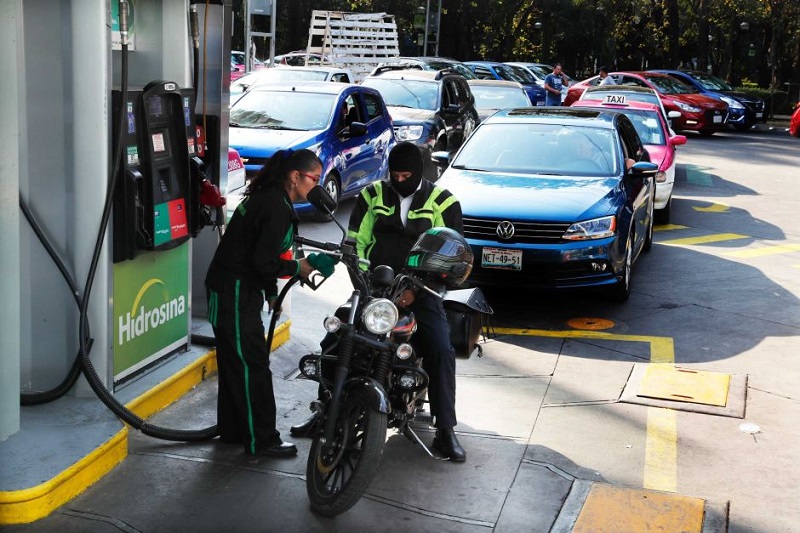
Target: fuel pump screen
{"x": 155, "y": 106}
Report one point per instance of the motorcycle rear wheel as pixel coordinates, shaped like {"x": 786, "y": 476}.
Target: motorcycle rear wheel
{"x": 336, "y": 482}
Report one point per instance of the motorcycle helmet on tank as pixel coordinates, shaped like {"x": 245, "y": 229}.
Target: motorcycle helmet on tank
{"x": 443, "y": 254}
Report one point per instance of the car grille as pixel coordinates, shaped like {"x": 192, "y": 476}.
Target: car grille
{"x": 711, "y": 113}
{"x": 524, "y": 232}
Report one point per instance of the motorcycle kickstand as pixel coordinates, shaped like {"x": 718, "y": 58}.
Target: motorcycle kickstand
{"x": 412, "y": 435}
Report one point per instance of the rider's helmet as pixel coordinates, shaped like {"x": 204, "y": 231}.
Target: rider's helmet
{"x": 443, "y": 254}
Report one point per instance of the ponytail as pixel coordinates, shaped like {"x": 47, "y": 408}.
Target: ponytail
{"x": 276, "y": 170}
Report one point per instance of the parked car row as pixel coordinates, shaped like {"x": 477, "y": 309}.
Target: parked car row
{"x": 551, "y": 197}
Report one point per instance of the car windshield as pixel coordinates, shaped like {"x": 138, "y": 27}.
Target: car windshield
{"x": 282, "y": 110}
{"x": 536, "y": 149}
{"x": 456, "y": 67}
{"x": 711, "y": 83}
{"x": 279, "y": 74}
{"x": 406, "y": 93}
{"x": 669, "y": 85}
{"x": 512, "y": 73}
{"x": 647, "y": 125}
{"x": 488, "y": 97}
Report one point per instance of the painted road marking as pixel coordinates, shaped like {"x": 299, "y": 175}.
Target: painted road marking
{"x": 666, "y": 382}
{"x": 713, "y": 208}
{"x": 661, "y": 447}
{"x": 610, "y": 509}
{"x": 695, "y": 176}
{"x": 669, "y": 227}
{"x": 765, "y": 250}
{"x": 705, "y": 239}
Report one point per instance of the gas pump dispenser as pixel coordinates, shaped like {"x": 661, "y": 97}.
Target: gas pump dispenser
{"x": 154, "y": 196}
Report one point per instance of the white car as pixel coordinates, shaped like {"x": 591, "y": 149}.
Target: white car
{"x": 283, "y": 73}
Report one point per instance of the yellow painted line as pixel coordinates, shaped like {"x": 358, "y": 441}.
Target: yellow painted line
{"x": 705, "y": 239}
{"x": 668, "y": 227}
{"x": 713, "y": 208}
{"x": 764, "y": 251}
{"x": 31, "y": 504}
{"x": 28, "y": 505}
{"x": 661, "y": 450}
{"x": 661, "y": 457}
{"x": 611, "y": 509}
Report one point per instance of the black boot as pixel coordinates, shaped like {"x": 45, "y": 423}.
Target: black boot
{"x": 304, "y": 429}
{"x": 447, "y": 444}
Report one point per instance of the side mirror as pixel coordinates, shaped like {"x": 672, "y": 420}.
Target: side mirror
{"x": 319, "y": 198}
{"x": 643, "y": 168}
{"x": 677, "y": 140}
{"x": 441, "y": 159}
{"x": 358, "y": 129}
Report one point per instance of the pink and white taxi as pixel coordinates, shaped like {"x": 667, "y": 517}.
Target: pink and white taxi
{"x": 657, "y": 139}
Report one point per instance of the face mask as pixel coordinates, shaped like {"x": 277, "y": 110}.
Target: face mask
{"x": 407, "y": 187}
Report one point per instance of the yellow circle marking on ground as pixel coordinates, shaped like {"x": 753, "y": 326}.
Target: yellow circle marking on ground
{"x": 593, "y": 324}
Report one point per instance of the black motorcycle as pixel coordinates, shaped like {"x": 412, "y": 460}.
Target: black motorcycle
{"x": 370, "y": 378}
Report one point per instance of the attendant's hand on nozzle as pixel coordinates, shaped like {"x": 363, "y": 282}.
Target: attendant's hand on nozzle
{"x": 306, "y": 268}
{"x": 323, "y": 263}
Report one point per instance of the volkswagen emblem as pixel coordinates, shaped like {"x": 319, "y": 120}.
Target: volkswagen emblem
{"x": 505, "y": 230}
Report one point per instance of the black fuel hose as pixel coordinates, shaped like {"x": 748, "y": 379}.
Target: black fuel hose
{"x": 42, "y": 397}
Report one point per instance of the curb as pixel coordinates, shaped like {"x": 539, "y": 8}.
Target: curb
{"x": 28, "y": 505}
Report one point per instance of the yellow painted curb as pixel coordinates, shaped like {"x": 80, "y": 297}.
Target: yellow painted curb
{"x": 28, "y": 505}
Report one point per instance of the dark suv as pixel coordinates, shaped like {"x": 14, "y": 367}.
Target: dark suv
{"x": 435, "y": 110}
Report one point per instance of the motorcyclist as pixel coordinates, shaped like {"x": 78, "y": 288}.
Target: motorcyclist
{"x": 386, "y": 221}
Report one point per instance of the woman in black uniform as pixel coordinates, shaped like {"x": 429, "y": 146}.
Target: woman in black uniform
{"x": 255, "y": 250}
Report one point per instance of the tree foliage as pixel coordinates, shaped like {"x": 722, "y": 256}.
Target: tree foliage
{"x": 755, "y": 41}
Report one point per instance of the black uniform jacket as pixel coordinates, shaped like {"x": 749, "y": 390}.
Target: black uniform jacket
{"x": 261, "y": 229}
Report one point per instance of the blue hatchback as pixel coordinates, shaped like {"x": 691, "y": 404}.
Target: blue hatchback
{"x": 503, "y": 71}
{"x": 554, "y": 198}
{"x": 744, "y": 110}
{"x": 346, "y": 125}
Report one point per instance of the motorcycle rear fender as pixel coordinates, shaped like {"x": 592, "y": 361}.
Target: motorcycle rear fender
{"x": 372, "y": 390}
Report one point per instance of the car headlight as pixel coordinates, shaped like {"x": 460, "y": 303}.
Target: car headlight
{"x": 688, "y": 108}
{"x": 733, "y": 104}
{"x": 597, "y": 228}
{"x": 380, "y": 316}
{"x": 408, "y": 133}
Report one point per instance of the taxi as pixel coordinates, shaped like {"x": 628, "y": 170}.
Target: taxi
{"x": 657, "y": 138}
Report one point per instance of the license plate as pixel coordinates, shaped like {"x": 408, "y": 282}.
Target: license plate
{"x": 717, "y": 119}
{"x": 759, "y": 115}
{"x": 502, "y": 258}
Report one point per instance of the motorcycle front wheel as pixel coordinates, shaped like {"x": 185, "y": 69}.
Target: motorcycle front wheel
{"x": 335, "y": 481}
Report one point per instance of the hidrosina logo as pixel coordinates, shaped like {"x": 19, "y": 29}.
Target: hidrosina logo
{"x": 141, "y": 320}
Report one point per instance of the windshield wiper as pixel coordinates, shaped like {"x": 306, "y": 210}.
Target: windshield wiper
{"x": 464, "y": 167}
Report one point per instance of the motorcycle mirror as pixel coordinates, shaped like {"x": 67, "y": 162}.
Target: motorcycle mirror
{"x": 319, "y": 198}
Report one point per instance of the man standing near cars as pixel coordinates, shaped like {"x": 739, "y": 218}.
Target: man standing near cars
{"x": 605, "y": 79}
{"x": 553, "y": 83}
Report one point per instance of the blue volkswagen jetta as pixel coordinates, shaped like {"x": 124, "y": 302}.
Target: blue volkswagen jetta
{"x": 346, "y": 125}
{"x": 554, "y": 198}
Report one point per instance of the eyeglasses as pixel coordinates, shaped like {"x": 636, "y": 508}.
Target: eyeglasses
{"x": 312, "y": 177}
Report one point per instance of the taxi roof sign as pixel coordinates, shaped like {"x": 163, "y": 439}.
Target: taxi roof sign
{"x": 616, "y": 99}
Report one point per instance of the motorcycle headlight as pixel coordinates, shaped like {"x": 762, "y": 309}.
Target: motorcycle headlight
{"x": 408, "y": 133}
{"x": 733, "y": 104}
{"x": 661, "y": 177}
{"x": 688, "y": 108}
{"x": 597, "y": 228}
{"x": 380, "y": 316}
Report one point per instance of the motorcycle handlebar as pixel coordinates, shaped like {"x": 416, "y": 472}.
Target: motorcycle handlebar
{"x": 329, "y": 246}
